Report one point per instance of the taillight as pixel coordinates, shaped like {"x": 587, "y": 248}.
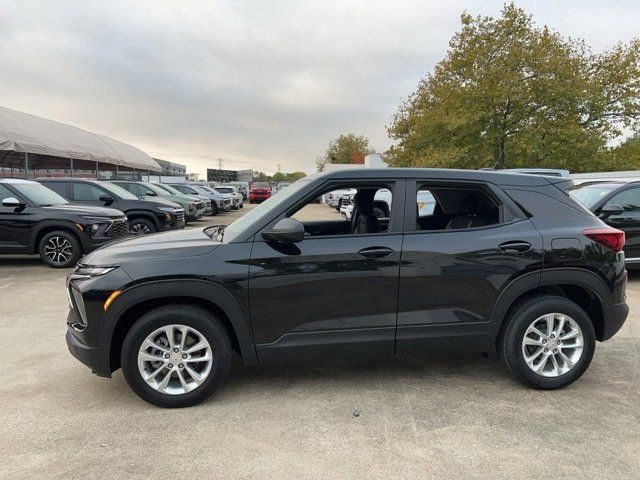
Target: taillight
{"x": 608, "y": 237}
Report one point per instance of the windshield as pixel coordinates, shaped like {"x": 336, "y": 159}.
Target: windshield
{"x": 590, "y": 194}
{"x": 155, "y": 188}
{"x": 169, "y": 189}
{"x": 39, "y": 194}
{"x": 224, "y": 190}
{"x": 260, "y": 185}
{"x": 274, "y": 204}
{"x": 118, "y": 191}
{"x": 205, "y": 190}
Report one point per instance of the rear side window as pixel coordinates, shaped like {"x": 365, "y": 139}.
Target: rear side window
{"x": 5, "y": 193}
{"x": 59, "y": 187}
{"x": 629, "y": 200}
{"x": 454, "y": 208}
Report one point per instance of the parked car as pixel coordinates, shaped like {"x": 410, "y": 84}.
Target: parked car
{"x": 425, "y": 203}
{"x": 504, "y": 262}
{"x": 259, "y": 192}
{"x": 36, "y": 220}
{"x": 236, "y": 196}
{"x": 145, "y": 216}
{"x": 242, "y": 187}
{"x": 617, "y": 203}
{"x": 219, "y": 203}
{"x": 208, "y": 208}
{"x": 193, "y": 208}
{"x": 334, "y": 198}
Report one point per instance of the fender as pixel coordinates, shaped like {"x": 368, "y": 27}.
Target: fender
{"x": 144, "y": 214}
{"x": 54, "y": 224}
{"x": 557, "y": 276}
{"x": 194, "y": 288}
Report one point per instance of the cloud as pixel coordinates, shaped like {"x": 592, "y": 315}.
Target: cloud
{"x": 253, "y": 82}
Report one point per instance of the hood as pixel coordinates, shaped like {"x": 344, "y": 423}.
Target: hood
{"x": 157, "y": 246}
{"x": 160, "y": 202}
{"x": 84, "y": 210}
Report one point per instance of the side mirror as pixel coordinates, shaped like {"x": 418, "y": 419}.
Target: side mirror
{"x": 611, "y": 209}
{"x": 150, "y": 193}
{"x": 287, "y": 230}
{"x": 12, "y": 202}
{"x": 107, "y": 199}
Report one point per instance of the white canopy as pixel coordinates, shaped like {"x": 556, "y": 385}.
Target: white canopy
{"x": 22, "y": 132}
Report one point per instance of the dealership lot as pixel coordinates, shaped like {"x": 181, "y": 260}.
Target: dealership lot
{"x": 440, "y": 417}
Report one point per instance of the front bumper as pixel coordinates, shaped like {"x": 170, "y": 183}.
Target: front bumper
{"x": 92, "y": 357}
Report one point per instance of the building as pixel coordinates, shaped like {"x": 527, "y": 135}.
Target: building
{"x": 170, "y": 169}
{"x": 222, "y": 176}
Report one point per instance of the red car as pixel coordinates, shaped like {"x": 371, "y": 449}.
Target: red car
{"x": 259, "y": 191}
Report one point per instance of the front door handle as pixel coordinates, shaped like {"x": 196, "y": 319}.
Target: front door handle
{"x": 515, "y": 246}
{"x": 375, "y": 252}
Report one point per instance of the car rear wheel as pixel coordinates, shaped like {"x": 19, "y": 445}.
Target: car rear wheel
{"x": 548, "y": 342}
{"x": 176, "y": 356}
{"x": 141, "y": 226}
{"x": 60, "y": 249}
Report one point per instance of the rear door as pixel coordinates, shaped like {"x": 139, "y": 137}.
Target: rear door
{"x": 456, "y": 260}
{"x": 628, "y": 221}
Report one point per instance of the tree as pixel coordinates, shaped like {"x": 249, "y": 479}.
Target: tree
{"x": 348, "y": 148}
{"x": 510, "y": 94}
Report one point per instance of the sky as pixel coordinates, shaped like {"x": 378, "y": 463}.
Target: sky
{"x": 256, "y": 83}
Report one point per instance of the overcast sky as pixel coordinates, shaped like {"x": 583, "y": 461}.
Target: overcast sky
{"x": 256, "y": 83}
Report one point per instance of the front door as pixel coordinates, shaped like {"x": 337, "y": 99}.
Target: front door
{"x": 89, "y": 194}
{"x": 332, "y": 294}
{"x": 15, "y": 225}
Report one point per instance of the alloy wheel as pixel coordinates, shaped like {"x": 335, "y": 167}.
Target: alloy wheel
{"x": 175, "y": 359}
{"x": 139, "y": 229}
{"x": 58, "y": 249}
{"x": 552, "y": 344}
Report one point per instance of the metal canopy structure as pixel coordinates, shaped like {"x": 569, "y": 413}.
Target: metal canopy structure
{"x": 53, "y": 144}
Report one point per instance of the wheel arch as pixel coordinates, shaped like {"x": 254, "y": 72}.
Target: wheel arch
{"x": 134, "y": 214}
{"x": 41, "y": 229}
{"x": 583, "y": 287}
{"x": 132, "y": 303}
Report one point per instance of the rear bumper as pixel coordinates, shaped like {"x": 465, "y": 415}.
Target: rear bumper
{"x": 614, "y": 319}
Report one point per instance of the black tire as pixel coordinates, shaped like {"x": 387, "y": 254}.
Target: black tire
{"x": 143, "y": 225}
{"x": 510, "y": 343}
{"x": 195, "y": 317}
{"x": 60, "y": 249}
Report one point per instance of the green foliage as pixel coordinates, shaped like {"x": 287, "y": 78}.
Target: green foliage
{"x": 348, "y": 148}
{"x": 510, "y": 94}
{"x": 278, "y": 177}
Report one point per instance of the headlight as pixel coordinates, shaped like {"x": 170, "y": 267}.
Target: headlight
{"x": 167, "y": 209}
{"x": 94, "y": 218}
{"x": 87, "y": 271}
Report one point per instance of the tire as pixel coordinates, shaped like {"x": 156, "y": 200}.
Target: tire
{"x": 512, "y": 351}
{"x": 141, "y": 226}
{"x": 199, "y": 320}
{"x": 60, "y": 249}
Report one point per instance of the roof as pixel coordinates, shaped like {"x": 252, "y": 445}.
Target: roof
{"x": 496, "y": 177}
{"x": 15, "y": 180}
{"x": 23, "y": 132}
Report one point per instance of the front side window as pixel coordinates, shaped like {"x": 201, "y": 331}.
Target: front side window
{"x": 39, "y": 194}
{"x": 363, "y": 210}
{"x": 85, "y": 192}
{"x": 629, "y": 200}
{"x": 453, "y": 208}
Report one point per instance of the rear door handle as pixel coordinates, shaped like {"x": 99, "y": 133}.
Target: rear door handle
{"x": 515, "y": 246}
{"x": 375, "y": 252}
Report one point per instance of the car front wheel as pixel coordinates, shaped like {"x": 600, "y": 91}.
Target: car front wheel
{"x": 60, "y": 249}
{"x": 176, "y": 356}
{"x": 141, "y": 226}
{"x": 548, "y": 342}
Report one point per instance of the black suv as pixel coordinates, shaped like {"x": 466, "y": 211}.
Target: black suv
{"x": 504, "y": 262}
{"x": 617, "y": 203}
{"x": 33, "y": 219}
{"x": 145, "y": 216}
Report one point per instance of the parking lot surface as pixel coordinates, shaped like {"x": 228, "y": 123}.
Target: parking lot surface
{"x": 454, "y": 417}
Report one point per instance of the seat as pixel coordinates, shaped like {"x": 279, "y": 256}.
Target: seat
{"x": 476, "y": 210}
{"x": 363, "y": 220}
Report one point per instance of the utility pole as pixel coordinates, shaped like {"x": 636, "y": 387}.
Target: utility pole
{"x": 220, "y": 163}
{"x": 279, "y": 165}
